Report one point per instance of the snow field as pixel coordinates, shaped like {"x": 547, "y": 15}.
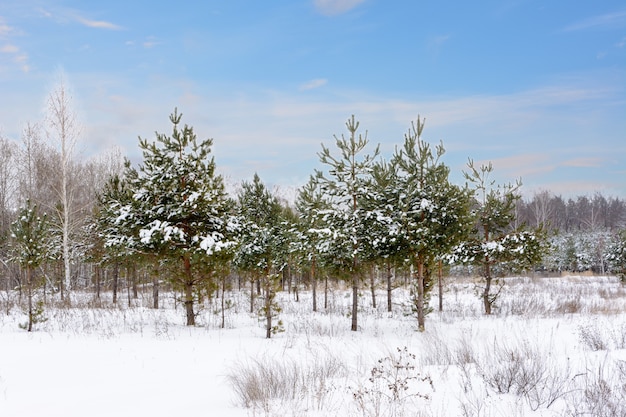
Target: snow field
{"x": 554, "y": 347}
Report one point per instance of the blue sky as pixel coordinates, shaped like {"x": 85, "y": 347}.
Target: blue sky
{"x": 536, "y": 87}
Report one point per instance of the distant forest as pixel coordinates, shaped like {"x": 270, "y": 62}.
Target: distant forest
{"x": 582, "y": 213}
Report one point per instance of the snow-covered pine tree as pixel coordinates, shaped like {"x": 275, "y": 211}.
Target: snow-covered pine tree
{"x": 346, "y": 185}
{"x": 433, "y": 214}
{"x": 180, "y": 211}
{"x": 116, "y": 226}
{"x": 263, "y": 244}
{"x": 30, "y": 248}
{"x": 313, "y": 238}
{"x": 494, "y": 241}
{"x": 383, "y": 226}
{"x": 616, "y": 255}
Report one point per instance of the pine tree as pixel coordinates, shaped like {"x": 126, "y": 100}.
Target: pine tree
{"x": 31, "y": 247}
{"x": 494, "y": 242}
{"x": 312, "y": 238}
{"x": 346, "y": 187}
{"x": 116, "y": 226}
{"x": 179, "y": 210}
{"x": 616, "y": 255}
{"x": 432, "y": 215}
{"x": 383, "y": 227}
{"x": 264, "y": 244}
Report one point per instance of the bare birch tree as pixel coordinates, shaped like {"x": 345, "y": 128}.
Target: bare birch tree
{"x": 7, "y": 181}
{"x": 64, "y": 129}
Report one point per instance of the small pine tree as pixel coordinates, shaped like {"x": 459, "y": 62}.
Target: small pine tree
{"x": 495, "y": 243}
{"x": 346, "y": 185}
{"x": 312, "y": 237}
{"x": 263, "y": 245}
{"x": 616, "y": 255}
{"x": 31, "y": 247}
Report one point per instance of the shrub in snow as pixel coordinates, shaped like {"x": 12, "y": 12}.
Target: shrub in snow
{"x": 394, "y": 382}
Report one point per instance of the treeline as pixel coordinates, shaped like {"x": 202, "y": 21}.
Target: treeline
{"x": 69, "y": 224}
{"x": 582, "y": 213}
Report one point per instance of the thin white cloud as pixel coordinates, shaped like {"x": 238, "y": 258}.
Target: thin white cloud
{"x": 65, "y": 15}
{"x": 22, "y": 61}
{"x": 435, "y": 43}
{"x": 589, "y": 162}
{"x": 609, "y": 20}
{"x": 44, "y": 12}
{"x": 97, "y": 24}
{"x": 313, "y": 84}
{"x": 16, "y": 56}
{"x": 335, "y": 7}
{"x": 5, "y": 29}
{"x": 521, "y": 166}
{"x": 150, "y": 42}
{"x": 9, "y": 49}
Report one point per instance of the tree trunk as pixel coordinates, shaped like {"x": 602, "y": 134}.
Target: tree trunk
{"x": 251, "y": 296}
{"x": 191, "y": 316}
{"x": 486, "y": 298}
{"x": 440, "y": 280}
{"x": 268, "y": 311}
{"x": 223, "y": 323}
{"x": 29, "y": 284}
{"x": 59, "y": 279}
{"x": 314, "y": 284}
{"x": 373, "y": 288}
{"x": 389, "y": 288}
{"x": 155, "y": 291}
{"x": 325, "y": 292}
{"x": 269, "y": 297}
{"x": 98, "y": 279}
{"x": 355, "y": 302}
{"x": 420, "y": 296}
{"x": 116, "y": 273}
{"x": 128, "y": 285}
{"x": 134, "y": 281}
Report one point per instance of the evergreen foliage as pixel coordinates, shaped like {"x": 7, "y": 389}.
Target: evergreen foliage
{"x": 178, "y": 210}
{"x": 312, "y": 238}
{"x": 495, "y": 243}
{"x": 616, "y": 255}
{"x": 264, "y": 244}
{"x": 30, "y": 233}
{"x": 431, "y": 216}
{"x": 31, "y": 247}
{"x": 346, "y": 187}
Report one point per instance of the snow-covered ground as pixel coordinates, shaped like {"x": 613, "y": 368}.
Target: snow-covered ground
{"x": 554, "y": 347}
